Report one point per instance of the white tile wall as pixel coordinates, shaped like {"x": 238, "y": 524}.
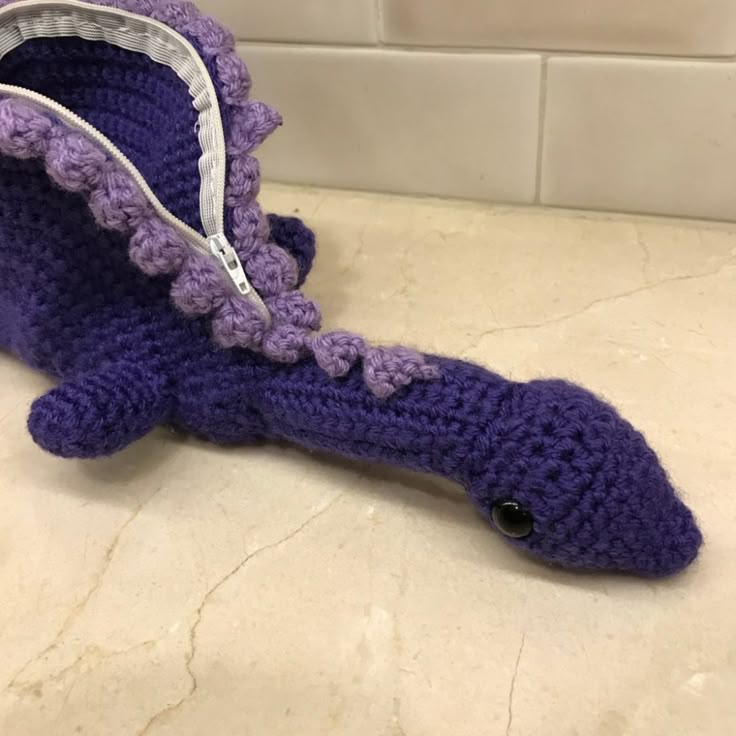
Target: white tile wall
{"x": 461, "y": 125}
{"x": 641, "y": 135}
{"x": 678, "y": 27}
{"x": 419, "y": 96}
{"x": 324, "y": 21}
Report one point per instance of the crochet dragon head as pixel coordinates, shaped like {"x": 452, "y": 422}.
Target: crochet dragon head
{"x": 139, "y": 270}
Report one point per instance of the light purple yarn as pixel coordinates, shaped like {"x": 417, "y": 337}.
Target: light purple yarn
{"x": 238, "y": 324}
{"x": 387, "y": 369}
{"x": 337, "y": 352}
{"x": 77, "y": 164}
{"x": 25, "y": 133}
{"x": 198, "y": 287}
{"x": 157, "y": 249}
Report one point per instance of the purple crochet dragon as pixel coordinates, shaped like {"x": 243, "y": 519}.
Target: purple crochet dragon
{"x": 138, "y": 268}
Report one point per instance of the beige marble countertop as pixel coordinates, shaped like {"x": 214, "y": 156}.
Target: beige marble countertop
{"x": 181, "y": 588}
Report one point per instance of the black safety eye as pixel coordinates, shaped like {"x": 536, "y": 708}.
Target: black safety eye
{"x": 512, "y": 519}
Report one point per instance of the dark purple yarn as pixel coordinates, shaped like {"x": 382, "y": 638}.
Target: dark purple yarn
{"x": 74, "y": 305}
{"x": 300, "y": 239}
{"x": 128, "y": 361}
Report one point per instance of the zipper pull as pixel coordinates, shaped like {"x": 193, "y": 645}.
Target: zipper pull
{"x": 228, "y": 259}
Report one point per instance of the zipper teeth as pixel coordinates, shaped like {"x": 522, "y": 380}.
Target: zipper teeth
{"x": 75, "y": 121}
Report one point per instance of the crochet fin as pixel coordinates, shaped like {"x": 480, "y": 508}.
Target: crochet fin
{"x": 292, "y": 235}
{"x": 99, "y": 413}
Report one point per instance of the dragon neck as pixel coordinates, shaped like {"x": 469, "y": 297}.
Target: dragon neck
{"x": 431, "y": 426}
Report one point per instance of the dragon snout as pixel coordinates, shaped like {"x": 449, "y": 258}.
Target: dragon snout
{"x": 658, "y": 540}
{"x": 632, "y": 524}
{"x": 578, "y": 486}
{"x": 647, "y": 531}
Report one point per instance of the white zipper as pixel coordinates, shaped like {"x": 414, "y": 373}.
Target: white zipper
{"x": 41, "y": 19}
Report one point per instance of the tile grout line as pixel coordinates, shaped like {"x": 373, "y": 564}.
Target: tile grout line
{"x": 538, "y": 160}
{"x": 541, "y": 127}
{"x": 382, "y": 45}
{"x": 606, "y": 213}
{"x": 379, "y": 23}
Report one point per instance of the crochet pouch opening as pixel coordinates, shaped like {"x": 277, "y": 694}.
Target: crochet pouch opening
{"x": 140, "y": 84}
